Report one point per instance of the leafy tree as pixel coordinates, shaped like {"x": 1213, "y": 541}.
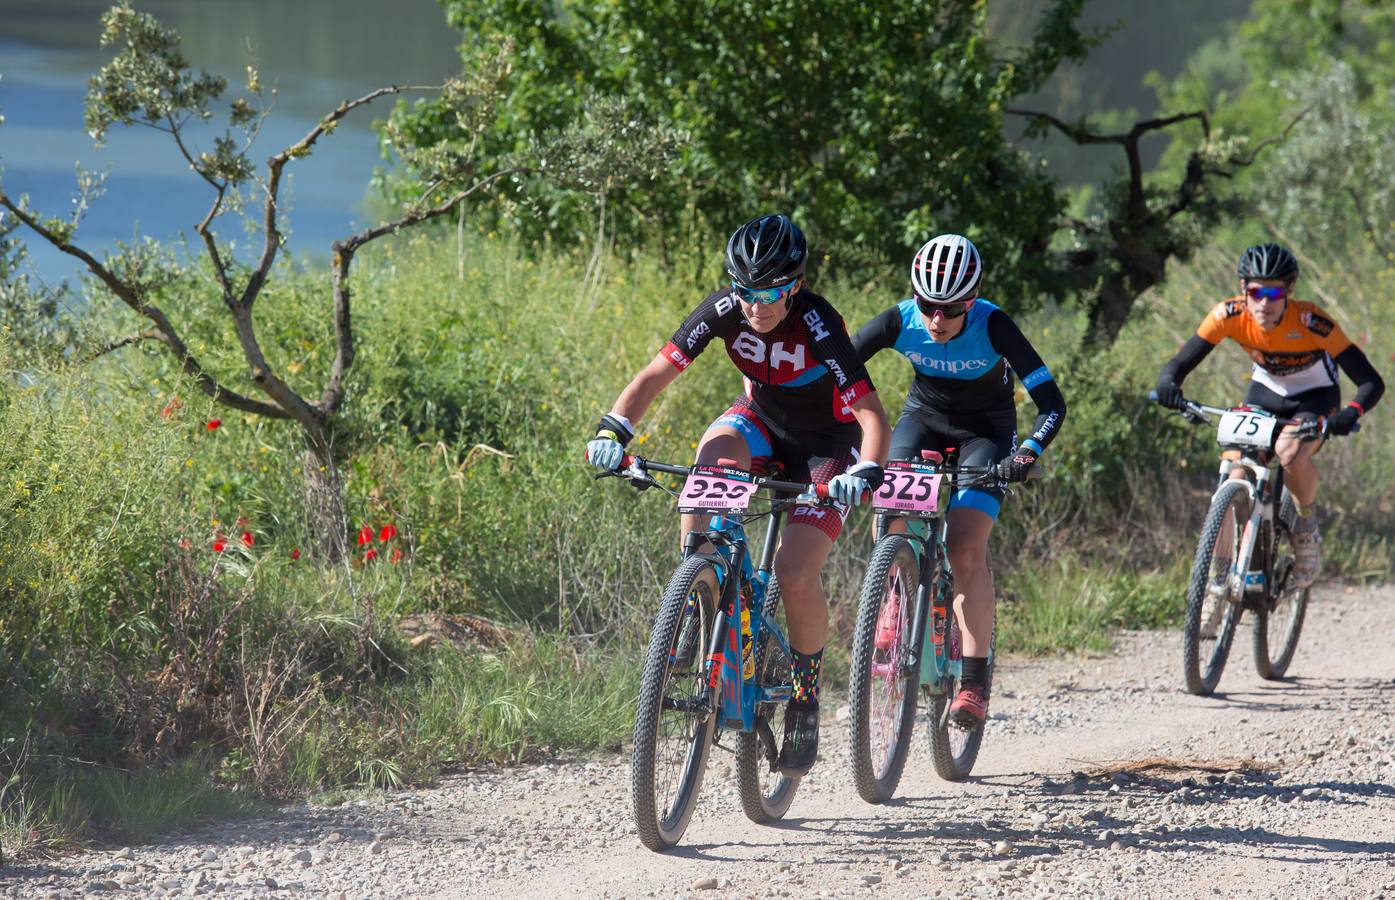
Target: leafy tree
{"x": 149, "y": 83}
{"x": 1140, "y": 224}
{"x": 874, "y": 122}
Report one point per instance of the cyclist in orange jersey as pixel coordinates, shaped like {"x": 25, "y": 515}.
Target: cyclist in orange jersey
{"x": 1297, "y": 349}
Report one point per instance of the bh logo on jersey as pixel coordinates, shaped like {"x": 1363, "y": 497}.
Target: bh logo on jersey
{"x": 754, "y": 349}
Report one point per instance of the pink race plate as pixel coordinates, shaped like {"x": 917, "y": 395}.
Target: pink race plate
{"x": 907, "y": 488}
{"x": 716, "y": 489}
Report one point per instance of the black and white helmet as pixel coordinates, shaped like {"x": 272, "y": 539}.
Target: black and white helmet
{"x": 1267, "y": 261}
{"x": 766, "y": 252}
{"x": 947, "y": 269}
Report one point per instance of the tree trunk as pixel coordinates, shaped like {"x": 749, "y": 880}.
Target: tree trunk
{"x": 324, "y": 498}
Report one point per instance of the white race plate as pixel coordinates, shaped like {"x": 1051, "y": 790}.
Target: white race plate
{"x": 1250, "y": 429}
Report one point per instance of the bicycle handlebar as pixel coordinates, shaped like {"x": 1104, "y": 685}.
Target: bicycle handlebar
{"x": 1197, "y": 412}
{"x": 647, "y": 465}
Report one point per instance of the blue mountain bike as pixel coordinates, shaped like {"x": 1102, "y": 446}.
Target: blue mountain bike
{"x": 718, "y": 658}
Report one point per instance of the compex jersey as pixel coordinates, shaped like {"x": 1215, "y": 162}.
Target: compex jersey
{"x": 971, "y": 373}
{"x": 803, "y": 375}
{"x": 1291, "y": 358}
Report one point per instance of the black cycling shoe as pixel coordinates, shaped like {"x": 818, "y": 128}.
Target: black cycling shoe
{"x": 801, "y": 741}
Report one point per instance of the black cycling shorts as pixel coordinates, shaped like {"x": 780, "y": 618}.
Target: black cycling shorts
{"x": 809, "y": 458}
{"x": 1313, "y": 404}
{"x": 992, "y": 439}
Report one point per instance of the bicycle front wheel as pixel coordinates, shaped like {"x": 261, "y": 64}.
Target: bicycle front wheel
{"x": 954, "y": 749}
{"x": 1279, "y": 621}
{"x": 766, "y": 794}
{"x": 671, "y": 741}
{"x": 1213, "y": 609}
{"x": 882, "y": 686}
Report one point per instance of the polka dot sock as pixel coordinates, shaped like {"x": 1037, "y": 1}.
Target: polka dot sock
{"x": 804, "y": 669}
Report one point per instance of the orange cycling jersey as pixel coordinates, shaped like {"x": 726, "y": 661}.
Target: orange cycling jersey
{"x": 1290, "y": 358}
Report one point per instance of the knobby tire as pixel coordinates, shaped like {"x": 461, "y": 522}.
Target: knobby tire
{"x": 661, "y": 829}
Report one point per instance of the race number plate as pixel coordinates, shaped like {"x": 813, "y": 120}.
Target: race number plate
{"x": 907, "y": 488}
{"x": 716, "y": 489}
{"x": 1251, "y": 429}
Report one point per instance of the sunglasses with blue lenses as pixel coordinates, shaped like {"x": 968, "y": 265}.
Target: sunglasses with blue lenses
{"x": 764, "y": 295}
{"x": 1267, "y": 294}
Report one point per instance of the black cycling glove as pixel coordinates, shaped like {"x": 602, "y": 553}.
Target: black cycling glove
{"x": 1016, "y": 468}
{"x": 1170, "y": 395}
{"x": 1344, "y": 421}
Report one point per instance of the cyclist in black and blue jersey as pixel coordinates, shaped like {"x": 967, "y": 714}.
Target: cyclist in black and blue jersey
{"x": 965, "y": 351}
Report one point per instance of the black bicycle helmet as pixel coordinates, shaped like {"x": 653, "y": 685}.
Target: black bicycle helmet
{"x": 766, "y": 252}
{"x": 1267, "y": 261}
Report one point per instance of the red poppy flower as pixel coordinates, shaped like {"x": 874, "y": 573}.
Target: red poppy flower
{"x": 242, "y": 522}
{"x": 213, "y": 424}
{"x": 387, "y": 533}
{"x": 171, "y": 408}
{"x": 395, "y": 556}
{"x": 369, "y": 555}
{"x": 365, "y": 535}
{"x": 247, "y": 539}
{"x": 295, "y": 553}
{"x": 219, "y": 544}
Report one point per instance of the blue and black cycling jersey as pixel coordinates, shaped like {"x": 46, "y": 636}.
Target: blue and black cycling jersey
{"x": 967, "y": 380}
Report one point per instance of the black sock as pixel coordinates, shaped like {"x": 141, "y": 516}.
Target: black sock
{"x": 975, "y": 671}
{"x": 804, "y": 672}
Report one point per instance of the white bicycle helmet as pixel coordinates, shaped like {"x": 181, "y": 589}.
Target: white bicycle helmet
{"x": 947, "y": 269}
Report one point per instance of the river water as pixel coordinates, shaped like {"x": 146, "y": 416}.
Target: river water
{"x": 315, "y": 52}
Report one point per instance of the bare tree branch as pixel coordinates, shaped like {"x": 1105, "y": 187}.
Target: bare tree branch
{"x": 276, "y": 163}
{"x": 164, "y": 329}
{"x": 343, "y": 258}
{"x": 117, "y": 343}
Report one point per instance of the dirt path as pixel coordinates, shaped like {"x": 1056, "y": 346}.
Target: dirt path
{"x": 1322, "y": 818}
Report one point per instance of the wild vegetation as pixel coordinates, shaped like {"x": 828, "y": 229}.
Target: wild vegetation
{"x": 164, "y": 623}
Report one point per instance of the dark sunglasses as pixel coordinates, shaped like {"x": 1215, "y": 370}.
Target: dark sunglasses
{"x": 764, "y": 295}
{"x": 948, "y": 310}
{"x": 1267, "y": 294}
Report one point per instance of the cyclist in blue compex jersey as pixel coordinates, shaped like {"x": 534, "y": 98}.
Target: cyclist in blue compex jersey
{"x": 964, "y": 351}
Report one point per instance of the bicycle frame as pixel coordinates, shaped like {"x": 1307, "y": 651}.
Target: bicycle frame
{"x": 1264, "y": 485}
{"x": 930, "y": 622}
{"x": 725, "y": 690}
{"x": 723, "y": 665}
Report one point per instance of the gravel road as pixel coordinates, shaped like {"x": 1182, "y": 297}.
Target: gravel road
{"x": 1063, "y": 802}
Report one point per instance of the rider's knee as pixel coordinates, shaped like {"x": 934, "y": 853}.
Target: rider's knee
{"x": 969, "y": 557}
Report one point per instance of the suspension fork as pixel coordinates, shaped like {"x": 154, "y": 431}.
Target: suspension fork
{"x": 710, "y": 698}
{"x": 921, "y": 612}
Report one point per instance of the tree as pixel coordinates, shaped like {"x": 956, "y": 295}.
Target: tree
{"x": 1123, "y": 249}
{"x": 875, "y": 124}
{"x": 150, "y": 83}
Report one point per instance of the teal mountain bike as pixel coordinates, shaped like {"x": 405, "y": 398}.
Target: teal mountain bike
{"x": 907, "y": 640}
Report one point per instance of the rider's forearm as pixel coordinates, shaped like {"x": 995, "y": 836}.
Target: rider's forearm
{"x": 639, "y": 394}
{"x": 876, "y": 433}
{"x": 1188, "y": 358}
{"x": 1051, "y": 415}
{"x": 1369, "y": 385}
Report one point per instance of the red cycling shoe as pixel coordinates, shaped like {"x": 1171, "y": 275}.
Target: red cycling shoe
{"x": 970, "y": 707}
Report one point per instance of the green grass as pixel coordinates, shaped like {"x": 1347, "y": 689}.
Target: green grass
{"x": 41, "y": 810}
{"x": 1069, "y": 604}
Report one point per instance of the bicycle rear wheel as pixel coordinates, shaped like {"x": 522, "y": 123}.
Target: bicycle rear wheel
{"x": 882, "y": 687}
{"x": 671, "y": 743}
{"x": 954, "y": 749}
{"x": 1213, "y": 612}
{"x": 766, "y": 794}
{"x": 1279, "y": 621}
